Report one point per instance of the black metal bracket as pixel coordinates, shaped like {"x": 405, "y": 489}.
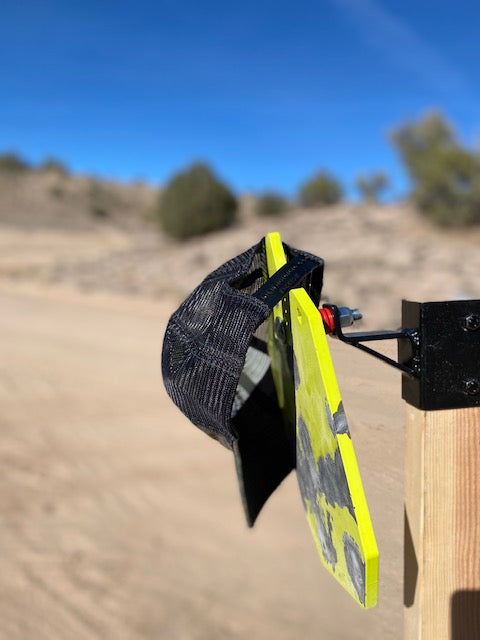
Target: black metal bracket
{"x": 357, "y": 338}
{"x": 449, "y": 354}
{"x": 438, "y": 352}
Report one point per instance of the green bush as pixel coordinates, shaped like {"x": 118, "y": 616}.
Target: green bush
{"x": 55, "y": 166}
{"x": 370, "y": 186}
{"x": 195, "y": 202}
{"x": 445, "y": 176}
{"x": 321, "y": 190}
{"x": 57, "y": 191}
{"x": 100, "y": 200}
{"x": 13, "y": 163}
{"x": 271, "y": 204}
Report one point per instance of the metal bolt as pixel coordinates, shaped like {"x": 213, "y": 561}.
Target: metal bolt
{"x": 348, "y": 316}
{"x": 472, "y": 386}
{"x": 357, "y": 314}
{"x": 472, "y": 322}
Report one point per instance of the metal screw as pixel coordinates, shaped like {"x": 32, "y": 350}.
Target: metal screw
{"x": 357, "y": 314}
{"x": 472, "y": 386}
{"x": 472, "y": 322}
{"x": 348, "y": 316}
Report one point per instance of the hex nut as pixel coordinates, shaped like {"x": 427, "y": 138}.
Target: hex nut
{"x": 472, "y": 386}
{"x": 472, "y": 322}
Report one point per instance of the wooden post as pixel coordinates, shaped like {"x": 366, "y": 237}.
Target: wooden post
{"x": 442, "y": 524}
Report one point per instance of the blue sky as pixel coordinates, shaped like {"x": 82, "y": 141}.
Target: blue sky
{"x": 267, "y": 92}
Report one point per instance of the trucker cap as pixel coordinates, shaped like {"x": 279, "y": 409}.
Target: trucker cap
{"x": 217, "y": 370}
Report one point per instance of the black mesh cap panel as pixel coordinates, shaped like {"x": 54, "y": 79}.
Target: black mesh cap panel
{"x": 204, "y": 364}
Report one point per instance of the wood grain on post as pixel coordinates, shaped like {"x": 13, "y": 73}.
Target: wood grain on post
{"x": 442, "y": 525}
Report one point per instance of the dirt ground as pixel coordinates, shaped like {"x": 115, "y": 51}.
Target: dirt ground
{"x": 120, "y": 520}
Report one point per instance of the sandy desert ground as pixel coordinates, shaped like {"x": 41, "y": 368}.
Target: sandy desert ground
{"x": 119, "y": 519}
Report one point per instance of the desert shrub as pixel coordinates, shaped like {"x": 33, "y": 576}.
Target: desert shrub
{"x": 99, "y": 212}
{"x": 55, "y": 166}
{"x": 195, "y": 202}
{"x": 57, "y": 191}
{"x": 270, "y": 204}
{"x": 370, "y": 186}
{"x": 12, "y": 162}
{"x": 321, "y": 190}
{"x": 445, "y": 176}
{"x": 100, "y": 200}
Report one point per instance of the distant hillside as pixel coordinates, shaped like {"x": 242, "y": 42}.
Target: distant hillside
{"x": 50, "y": 198}
{"x": 99, "y": 235}
{"x": 375, "y": 255}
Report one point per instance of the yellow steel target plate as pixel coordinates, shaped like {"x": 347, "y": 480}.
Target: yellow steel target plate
{"x": 327, "y": 469}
